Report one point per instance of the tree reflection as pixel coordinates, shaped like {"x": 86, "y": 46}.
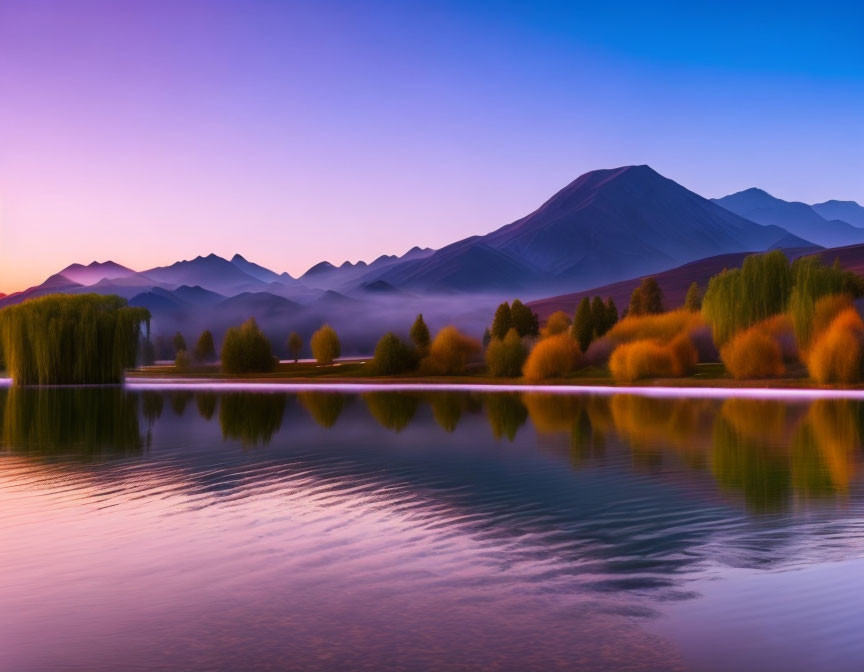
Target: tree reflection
{"x": 447, "y": 408}
{"x": 206, "y": 403}
{"x": 392, "y": 410}
{"x": 152, "y": 404}
{"x": 250, "y": 417}
{"x": 324, "y": 407}
{"x": 747, "y": 463}
{"x": 84, "y": 421}
{"x": 506, "y": 414}
{"x": 179, "y": 401}
{"x": 825, "y": 448}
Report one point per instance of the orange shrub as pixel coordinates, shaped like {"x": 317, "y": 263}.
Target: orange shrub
{"x": 826, "y": 309}
{"x": 684, "y": 353}
{"x": 836, "y": 356}
{"x": 552, "y": 357}
{"x": 663, "y": 327}
{"x": 753, "y": 353}
{"x": 558, "y": 323}
{"x": 646, "y": 358}
{"x": 450, "y": 352}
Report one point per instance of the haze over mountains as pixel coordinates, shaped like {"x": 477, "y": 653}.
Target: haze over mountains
{"x": 606, "y": 226}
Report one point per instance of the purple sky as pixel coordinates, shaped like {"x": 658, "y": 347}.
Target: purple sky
{"x": 147, "y": 132}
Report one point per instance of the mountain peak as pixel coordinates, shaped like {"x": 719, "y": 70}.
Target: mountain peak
{"x": 320, "y": 267}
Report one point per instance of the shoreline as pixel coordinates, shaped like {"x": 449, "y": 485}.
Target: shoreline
{"x": 372, "y": 385}
{"x": 789, "y": 389}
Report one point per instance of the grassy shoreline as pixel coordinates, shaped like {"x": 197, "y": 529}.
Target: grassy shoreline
{"x": 711, "y": 375}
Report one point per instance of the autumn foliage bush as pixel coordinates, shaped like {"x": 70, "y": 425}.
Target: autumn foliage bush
{"x": 836, "y": 355}
{"x": 506, "y": 357}
{"x": 450, "y": 353}
{"x": 753, "y": 353}
{"x": 650, "y": 358}
{"x": 552, "y": 357}
{"x": 662, "y": 327}
{"x": 558, "y": 323}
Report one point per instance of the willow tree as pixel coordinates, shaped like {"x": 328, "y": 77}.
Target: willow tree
{"x": 62, "y": 339}
{"x": 812, "y": 281}
{"x": 739, "y": 298}
{"x": 767, "y": 284}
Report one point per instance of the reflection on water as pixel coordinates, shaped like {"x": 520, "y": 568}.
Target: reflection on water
{"x": 88, "y": 422}
{"x": 439, "y": 530}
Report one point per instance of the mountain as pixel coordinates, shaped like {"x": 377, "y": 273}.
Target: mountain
{"x": 260, "y": 272}
{"x": 605, "y": 225}
{"x": 258, "y": 304}
{"x": 197, "y": 295}
{"x": 95, "y": 271}
{"x": 54, "y": 284}
{"x": 213, "y": 272}
{"x": 799, "y": 219}
{"x": 847, "y": 211}
{"x": 348, "y": 276}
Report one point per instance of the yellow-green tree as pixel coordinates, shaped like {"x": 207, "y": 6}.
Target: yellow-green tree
{"x": 246, "y": 349}
{"x": 325, "y": 345}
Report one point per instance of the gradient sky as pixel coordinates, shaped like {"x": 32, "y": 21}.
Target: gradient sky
{"x": 147, "y": 131}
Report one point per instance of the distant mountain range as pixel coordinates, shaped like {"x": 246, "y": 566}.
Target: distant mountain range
{"x": 606, "y": 226}
{"x": 829, "y": 224}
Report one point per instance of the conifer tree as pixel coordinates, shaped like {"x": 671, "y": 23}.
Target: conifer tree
{"x": 420, "y": 336}
{"x": 598, "y": 315}
{"x": 611, "y": 314}
{"x": 524, "y": 320}
{"x": 205, "y": 350}
{"x": 179, "y": 342}
{"x": 502, "y": 321}
{"x": 583, "y": 324}
{"x": 693, "y": 300}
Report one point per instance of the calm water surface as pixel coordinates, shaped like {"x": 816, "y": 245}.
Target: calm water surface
{"x": 438, "y": 531}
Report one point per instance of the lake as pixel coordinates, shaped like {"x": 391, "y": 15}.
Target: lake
{"x": 204, "y": 530}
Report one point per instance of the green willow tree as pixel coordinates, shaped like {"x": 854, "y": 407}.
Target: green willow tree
{"x": 71, "y": 340}
{"x": 767, "y": 284}
{"x": 740, "y": 297}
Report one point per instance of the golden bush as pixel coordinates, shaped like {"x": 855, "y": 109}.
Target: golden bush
{"x": 826, "y": 309}
{"x": 450, "y": 352}
{"x": 662, "y": 327}
{"x": 684, "y": 353}
{"x": 836, "y": 356}
{"x": 552, "y": 357}
{"x": 558, "y": 323}
{"x": 646, "y": 358}
{"x": 753, "y": 353}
